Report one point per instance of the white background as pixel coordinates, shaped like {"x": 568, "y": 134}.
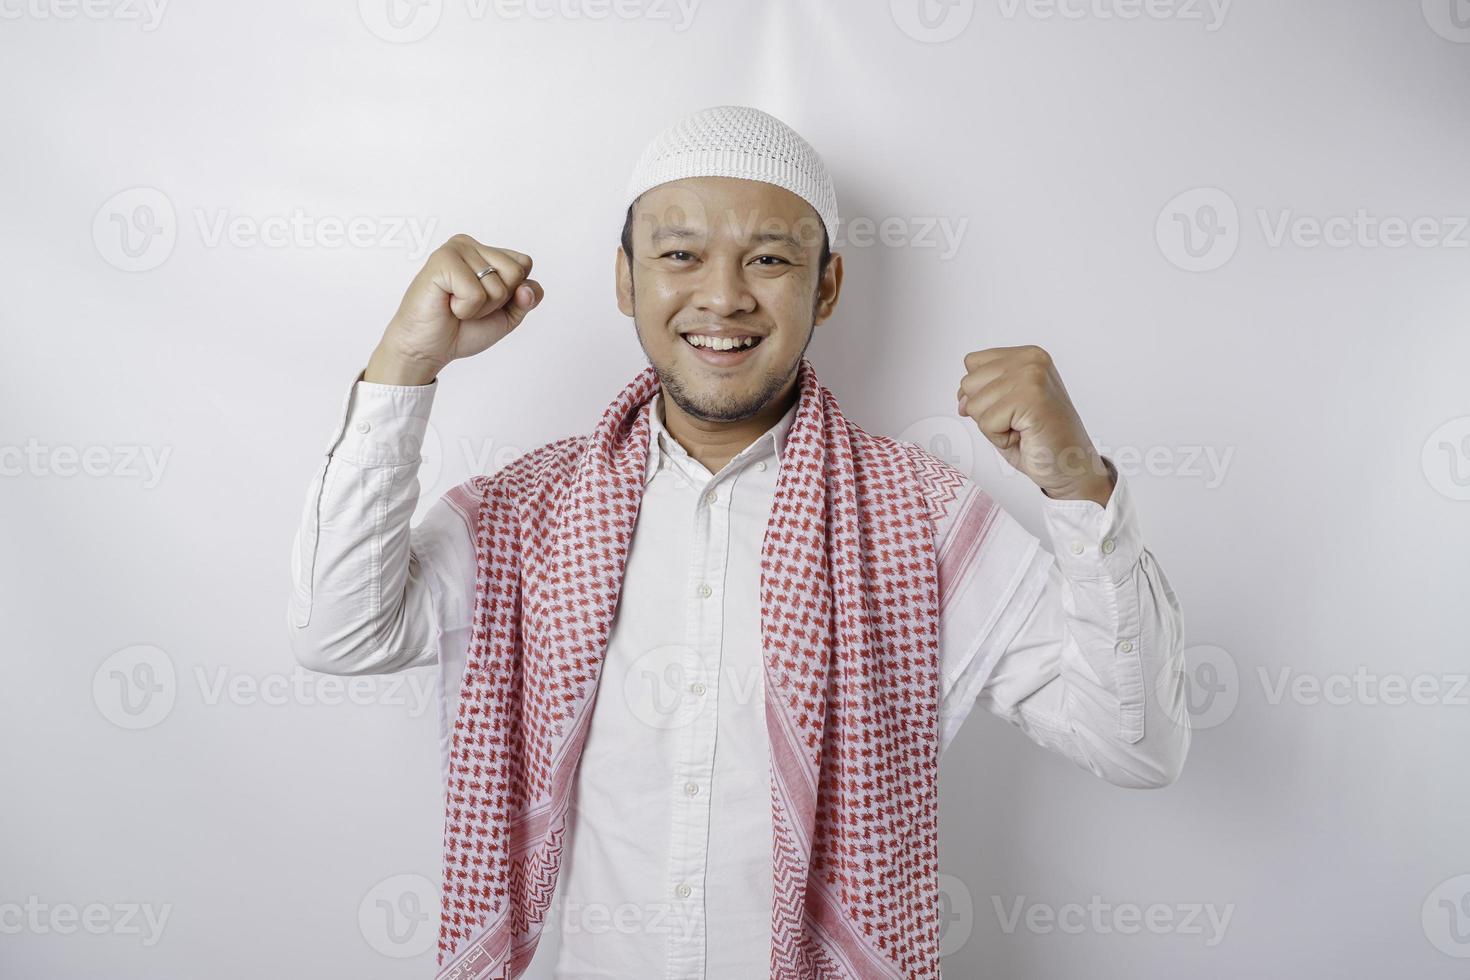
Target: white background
{"x": 1327, "y": 380}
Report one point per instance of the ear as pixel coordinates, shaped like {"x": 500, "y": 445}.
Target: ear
{"x": 828, "y": 289}
{"x": 623, "y": 282}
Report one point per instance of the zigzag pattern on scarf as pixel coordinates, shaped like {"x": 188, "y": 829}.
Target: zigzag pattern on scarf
{"x": 940, "y": 480}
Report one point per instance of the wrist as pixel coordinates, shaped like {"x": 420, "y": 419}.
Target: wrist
{"x": 388, "y": 368}
{"x": 1097, "y": 487}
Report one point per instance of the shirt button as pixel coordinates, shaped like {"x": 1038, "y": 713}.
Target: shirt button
{"x": 1076, "y": 547}
{"x": 1108, "y": 546}
{"x": 363, "y": 426}
{"x": 1126, "y": 646}
{"x": 684, "y": 891}
{"x": 697, "y": 687}
{"x": 705, "y": 590}
{"x": 690, "y": 789}
{"x": 711, "y": 497}
{"x": 761, "y": 466}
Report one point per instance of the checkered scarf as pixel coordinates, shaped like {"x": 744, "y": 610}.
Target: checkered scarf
{"x": 849, "y": 625}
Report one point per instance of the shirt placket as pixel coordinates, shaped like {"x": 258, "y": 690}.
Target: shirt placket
{"x": 695, "y": 754}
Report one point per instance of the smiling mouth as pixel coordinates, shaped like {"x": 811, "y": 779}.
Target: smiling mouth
{"x": 723, "y": 351}
{"x": 719, "y": 345}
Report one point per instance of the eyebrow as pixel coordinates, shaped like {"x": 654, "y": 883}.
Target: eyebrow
{"x": 683, "y": 234}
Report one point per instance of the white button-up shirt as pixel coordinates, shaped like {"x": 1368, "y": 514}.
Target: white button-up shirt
{"x": 667, "y": 870}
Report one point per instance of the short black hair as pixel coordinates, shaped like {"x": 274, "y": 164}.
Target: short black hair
{"x": 627, "y": 239}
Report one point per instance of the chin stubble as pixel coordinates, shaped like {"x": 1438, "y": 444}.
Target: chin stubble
{"x": 773, "y": 384}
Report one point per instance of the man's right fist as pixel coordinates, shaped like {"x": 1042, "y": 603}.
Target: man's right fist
{"x": 449, "y": 313}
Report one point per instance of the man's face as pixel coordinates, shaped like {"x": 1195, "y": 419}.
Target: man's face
{"x": 724, "y": 257}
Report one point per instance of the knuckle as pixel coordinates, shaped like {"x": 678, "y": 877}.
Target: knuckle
{"x": 520, "y": 261}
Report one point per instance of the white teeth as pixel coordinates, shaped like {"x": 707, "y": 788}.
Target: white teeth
{"x": 719, "y": 343}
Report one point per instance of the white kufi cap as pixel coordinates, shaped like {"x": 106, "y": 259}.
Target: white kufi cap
{"x": 737, "y": 141}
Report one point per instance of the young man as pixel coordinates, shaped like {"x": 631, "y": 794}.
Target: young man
{"x": 699, "y": 665}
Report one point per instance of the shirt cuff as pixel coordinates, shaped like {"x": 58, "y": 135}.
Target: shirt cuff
{"x": 384, "y": 425}
{"x": 1094, "y": 542}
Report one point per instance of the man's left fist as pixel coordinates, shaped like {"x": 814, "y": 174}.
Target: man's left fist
{"x": 1017, "y": 398}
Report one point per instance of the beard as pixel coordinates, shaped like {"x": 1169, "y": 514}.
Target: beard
{"x": 722, "y": 406}
{"x": 710, "y": 406}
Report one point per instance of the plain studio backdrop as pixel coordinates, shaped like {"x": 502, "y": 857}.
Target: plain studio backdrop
{"x": 1240, "y": 229}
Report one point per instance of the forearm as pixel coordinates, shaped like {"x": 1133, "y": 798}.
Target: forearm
{"x": 359, "y": 603}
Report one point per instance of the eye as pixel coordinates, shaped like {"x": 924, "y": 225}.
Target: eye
{"x": 677, "y": 252}
{"x": 776, "y": 257}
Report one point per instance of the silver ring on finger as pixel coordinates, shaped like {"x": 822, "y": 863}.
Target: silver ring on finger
{"x": 485, "y": 272}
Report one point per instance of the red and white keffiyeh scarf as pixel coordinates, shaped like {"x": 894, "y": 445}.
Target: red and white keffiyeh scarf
{"x": 849, "y": 625}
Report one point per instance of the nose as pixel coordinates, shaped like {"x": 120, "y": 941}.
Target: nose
{"x": 722, "y": 289}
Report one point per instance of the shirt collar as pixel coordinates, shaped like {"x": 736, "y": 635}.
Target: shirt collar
{"x": 661, "y": 441}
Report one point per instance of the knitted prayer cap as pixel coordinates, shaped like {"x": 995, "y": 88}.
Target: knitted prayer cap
{"x": 737, "y": 141}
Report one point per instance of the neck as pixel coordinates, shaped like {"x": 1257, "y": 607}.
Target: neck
{"x": 714, "y": 443}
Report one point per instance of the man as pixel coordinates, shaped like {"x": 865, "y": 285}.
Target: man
{"x": 699, "y": 665}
